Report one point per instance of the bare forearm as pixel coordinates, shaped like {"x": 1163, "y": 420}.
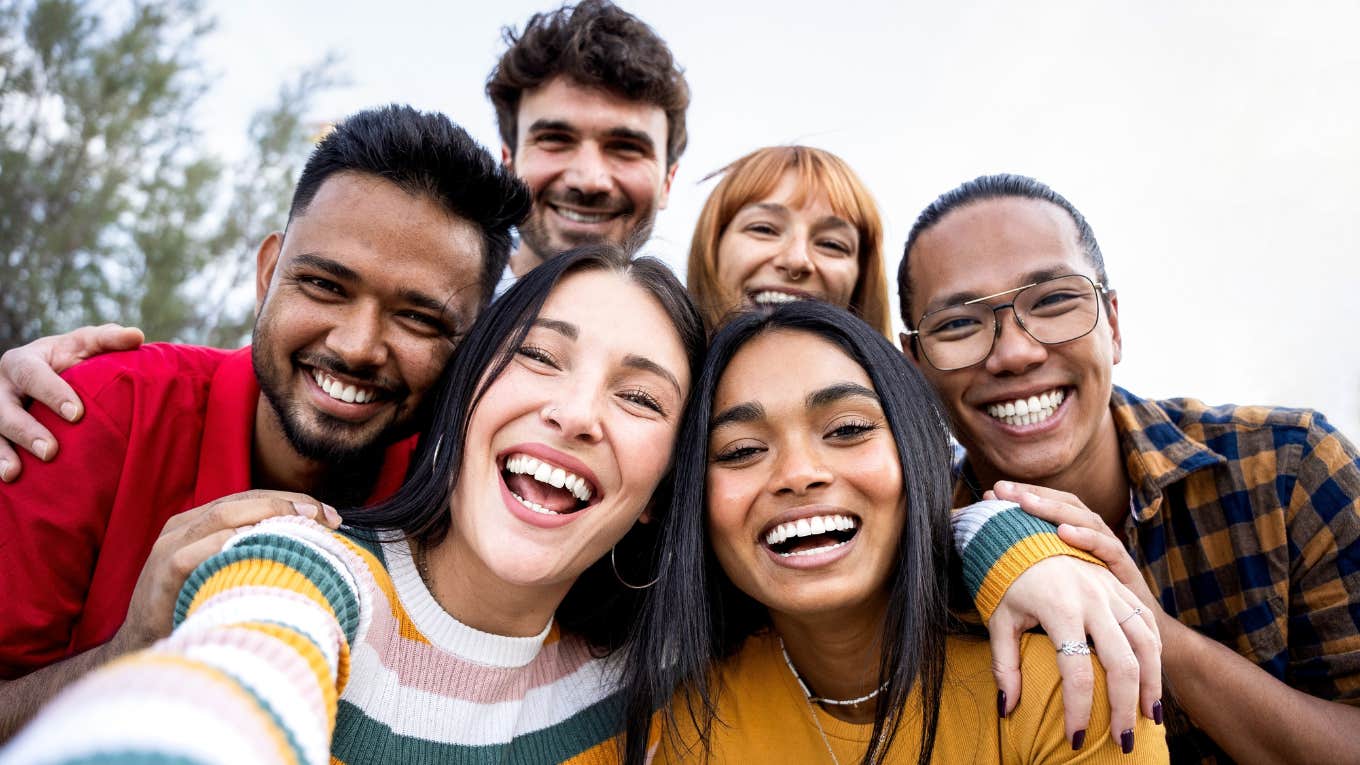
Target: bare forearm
{"x": 21, "y": 699}
{"x": 1254, "y": 717}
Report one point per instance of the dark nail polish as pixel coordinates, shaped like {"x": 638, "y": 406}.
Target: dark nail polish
{"x": 1078, "y": 739}
{"x": 1126, "y": 741}
{"x": 1157, "y": 711}
{"x": 1000, "y": 703}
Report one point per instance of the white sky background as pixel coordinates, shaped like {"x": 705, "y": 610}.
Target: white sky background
{"x": 1214, "y": 146}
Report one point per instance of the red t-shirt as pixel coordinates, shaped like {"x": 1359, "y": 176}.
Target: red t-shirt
{"x": 166, "y": 428}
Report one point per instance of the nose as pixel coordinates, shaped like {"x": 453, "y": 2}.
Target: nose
{"x": 588, "y": 170}
{"x": 794, "y": 259}
{"x": 1014, "y": 351}
{"x": 575, "y": 414}
{"x": 798, "y": 470}
{"x": 358, "y": 339}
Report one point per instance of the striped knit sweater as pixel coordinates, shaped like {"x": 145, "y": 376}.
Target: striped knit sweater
{"x": 297, "y": 644}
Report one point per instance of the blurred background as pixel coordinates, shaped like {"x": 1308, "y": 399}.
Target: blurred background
{"x": 1212, "y": 145}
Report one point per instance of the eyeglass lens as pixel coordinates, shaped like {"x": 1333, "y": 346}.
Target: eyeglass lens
{"x": 1052, "y": 311}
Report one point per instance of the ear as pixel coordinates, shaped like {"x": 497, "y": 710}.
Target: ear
{"x": 266, "y": 260}
{"x": 507, "y": 158}
{"x": 1115, "y": 337}
{"x": 666, "y": 187}
{"x": 646, "y": 516}
{"x": 908, "y": 349}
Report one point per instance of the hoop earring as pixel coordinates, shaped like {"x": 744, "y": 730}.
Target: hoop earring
{"x": 615, "y": 566}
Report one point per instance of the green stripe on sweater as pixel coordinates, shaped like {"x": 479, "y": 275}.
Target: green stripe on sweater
{"x": 1000, "y": 533}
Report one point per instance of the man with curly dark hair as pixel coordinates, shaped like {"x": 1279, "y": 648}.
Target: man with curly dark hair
{"x": 591, "y": 109}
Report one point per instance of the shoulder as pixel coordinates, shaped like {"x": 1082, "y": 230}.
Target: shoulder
{"x": 155, "y": 366}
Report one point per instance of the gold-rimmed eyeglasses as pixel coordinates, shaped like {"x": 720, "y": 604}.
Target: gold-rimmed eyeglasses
{"x": 1052, "y": 311}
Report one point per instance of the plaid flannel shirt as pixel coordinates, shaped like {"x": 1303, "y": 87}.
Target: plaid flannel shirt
{"x": 1245, "y": 521}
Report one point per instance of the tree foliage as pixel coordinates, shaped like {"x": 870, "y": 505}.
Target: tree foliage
{"x": 109, "y": 208}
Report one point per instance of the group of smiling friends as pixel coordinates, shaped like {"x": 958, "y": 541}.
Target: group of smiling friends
{"x": 588, "y": 515}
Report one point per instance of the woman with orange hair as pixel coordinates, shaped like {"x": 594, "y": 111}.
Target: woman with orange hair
{"x": 788, "y": 223}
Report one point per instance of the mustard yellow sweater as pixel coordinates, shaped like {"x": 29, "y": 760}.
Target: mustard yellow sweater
{"x": 765, "y": 717}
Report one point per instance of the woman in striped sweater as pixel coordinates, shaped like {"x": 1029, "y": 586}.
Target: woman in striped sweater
{"x": 471, "y": 617}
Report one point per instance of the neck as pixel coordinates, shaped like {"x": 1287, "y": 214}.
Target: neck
{"x": 523, "y": 260}
{"x": 1097, "y": 476}
{"x": 837, "y": 655}
{"x": 276, "y": 465}
{"x": 475, "y": 596}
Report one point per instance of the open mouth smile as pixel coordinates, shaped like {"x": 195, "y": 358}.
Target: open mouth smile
{"x": 767, "y": 296}
{"x": 545, "y": 488}
{"x": 584, "y": 217}
{"x": 812, "y": 535}
{"x": 349, "y": 393}
{"x": 1028, "y": 411}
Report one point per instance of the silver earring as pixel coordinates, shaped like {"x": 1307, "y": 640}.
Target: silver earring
{"x": 614, "y": 565}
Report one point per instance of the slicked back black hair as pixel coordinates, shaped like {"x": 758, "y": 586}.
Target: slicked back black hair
{"x": 694, "y": 616}
{"x": 425, "y": 154}
{"x": 595, "y": 44}
{"x": 985, "y": 187}
{"x": 597, "y": 607}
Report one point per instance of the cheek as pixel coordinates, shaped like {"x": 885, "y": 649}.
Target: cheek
{"x": 738, "y": 259}
{"x": 840, "y": 276}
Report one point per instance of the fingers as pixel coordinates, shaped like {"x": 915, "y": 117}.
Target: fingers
{"x": 1122, "y": 671}
{"x": 247, "y": 509}
{"x": 9, "y": 462}
{"x": 1005, "y": 640}
{"x": 22, "y": 375}
{"x": 1078, "y": 680}
{"x": 1109, "y": 550}
{"x": 76, "y": 346}
{"x": 1140, "y": 629}
{"x": 1056, "y": 507}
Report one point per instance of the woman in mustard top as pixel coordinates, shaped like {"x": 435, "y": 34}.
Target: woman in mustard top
{"x": 807, "y": 611}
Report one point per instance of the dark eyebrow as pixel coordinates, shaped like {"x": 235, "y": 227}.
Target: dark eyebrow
{"x": 747, "y": 412}
{"x": 838, "y": 392}
{"x": 647, "y": 365}
{"x": 312, "y": 260}
{"x": 963, "y": 296}
{"x": 540, "y": 126}
{"x": 422, "y": 300}
{"x": 630, "y": 134}
{"x": 563, "y": 328}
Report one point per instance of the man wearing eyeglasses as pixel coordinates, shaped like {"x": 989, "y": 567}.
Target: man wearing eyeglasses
{"x": 1237, "y": 527}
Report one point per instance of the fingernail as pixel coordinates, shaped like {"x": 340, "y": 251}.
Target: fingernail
{"x": 1157, "y": 711}
{"x": 1126, "y": 741}
{"x": 40, "y": 448}
{"x": 331, "y": 515}
{"x": 1003, "y": 486}
{"x": 1078, "y": 739}
{"x": 68, "y": 410}
{"x": 1000, "y": 703}
{"x": 305, "y": 509}
{"x": 4, "y": 471}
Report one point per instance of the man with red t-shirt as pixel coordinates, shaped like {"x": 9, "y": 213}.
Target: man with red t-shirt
{"x": 398, "y": 230}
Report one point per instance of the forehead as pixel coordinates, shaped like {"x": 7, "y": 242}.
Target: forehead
{"x": 990, "y": 246}
{"x": 616, "y": 317}
{"x": 780, "y": 368}
{"x": 590, "y": 111}
{"x": 390, "y": 238}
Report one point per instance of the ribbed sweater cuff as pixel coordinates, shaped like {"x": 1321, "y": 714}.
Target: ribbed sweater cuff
{"x": 998, "y": 542}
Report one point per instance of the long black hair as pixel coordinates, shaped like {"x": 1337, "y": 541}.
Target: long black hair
{"x": 597, "y": 607}
{"x": 694, "y": 616}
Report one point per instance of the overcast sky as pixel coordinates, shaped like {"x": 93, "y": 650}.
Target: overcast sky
{"x": 1214, "y": 146}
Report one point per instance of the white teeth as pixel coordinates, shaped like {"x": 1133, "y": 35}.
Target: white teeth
{"x": 537, "y": 508}
{"x": 1028, "y": 411}
{"x": 807, "y": 527}
{"x": 581, "y": 217}
{"x": 769, "y": 297}
{"x": 350, "y": 394}
{"x": 550, "y": 474}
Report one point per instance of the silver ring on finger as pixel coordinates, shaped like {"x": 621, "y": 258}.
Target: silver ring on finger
{"x": 1074, "y": 648}
{"x": 1136, "y": 611}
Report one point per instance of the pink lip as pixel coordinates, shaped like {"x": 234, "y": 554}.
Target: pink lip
{"x": 564, "y": 461}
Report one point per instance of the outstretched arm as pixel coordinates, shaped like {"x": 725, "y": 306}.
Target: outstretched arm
{"x": 1021, "y": 576}
{"x": 252, "y": 672}
{"x": 30, "y": 372}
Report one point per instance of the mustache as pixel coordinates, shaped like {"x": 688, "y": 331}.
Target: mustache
{"x": 389, "y": 386}
{"x": 599, "y": 200}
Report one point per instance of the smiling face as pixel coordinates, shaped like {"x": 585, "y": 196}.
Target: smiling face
{"x": 567, "y": 445}
{"x": 999, "y": 244}
{"x": 775, "y": 250}
{"x": 805, "y": 501}
{"x": 595, "y": 163}
{"x": 359, "y": 307}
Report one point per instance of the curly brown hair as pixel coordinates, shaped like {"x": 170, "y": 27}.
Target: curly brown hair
{"x": 598, "y": 45}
